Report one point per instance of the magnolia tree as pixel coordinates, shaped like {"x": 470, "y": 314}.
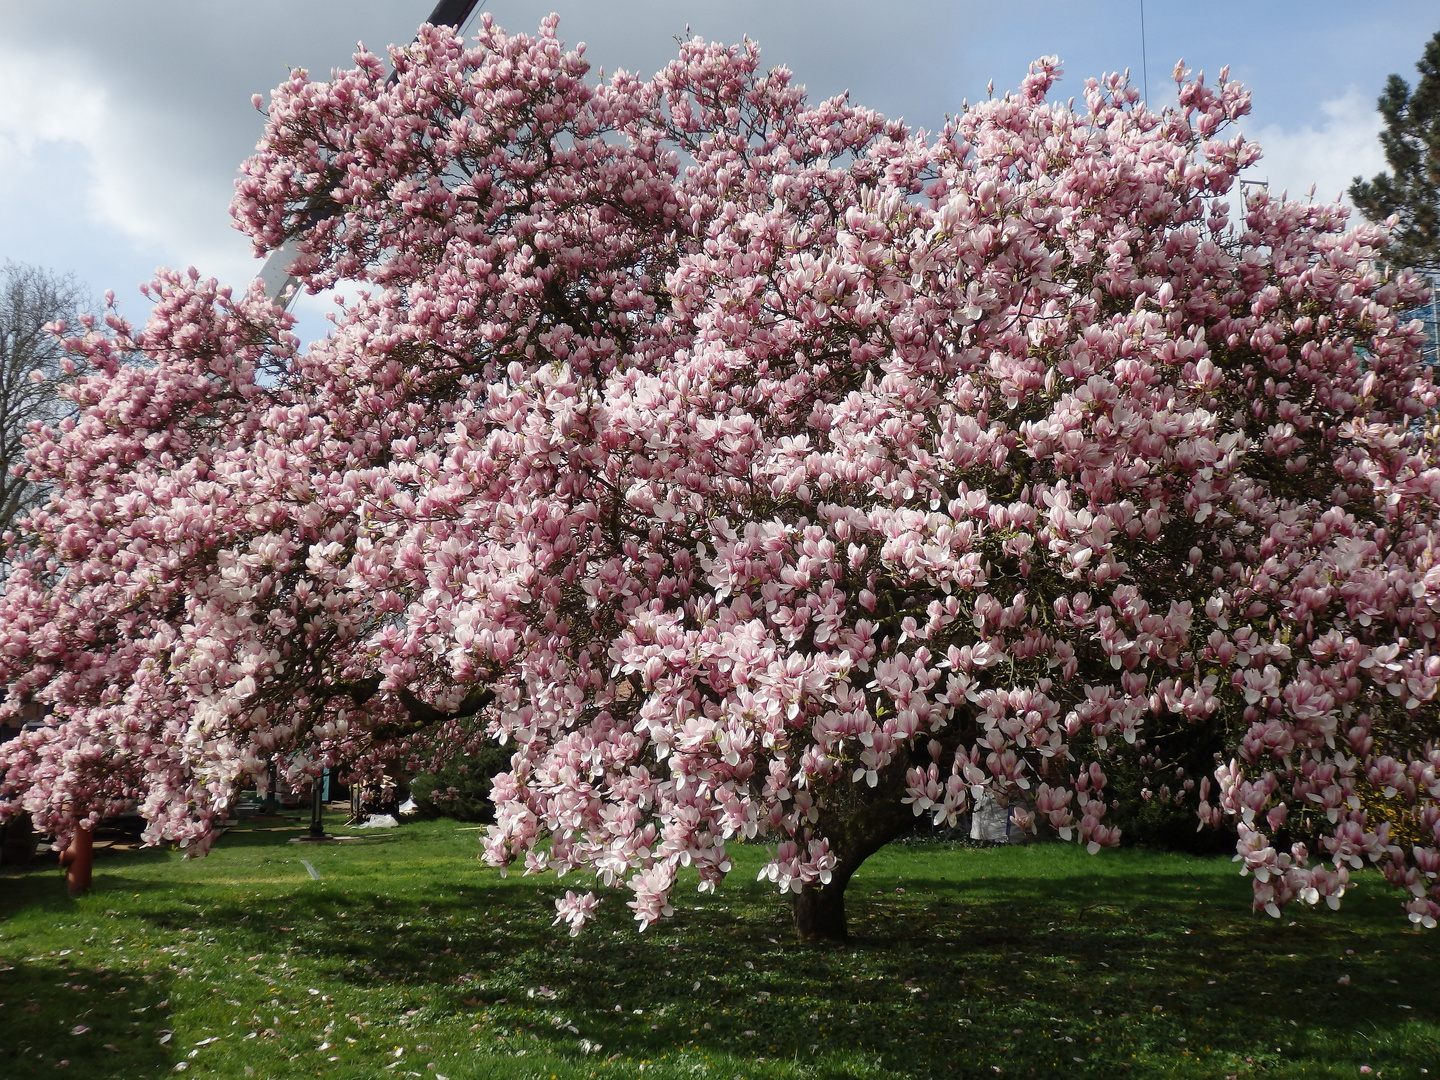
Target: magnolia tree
{"x": 756, "y": 469}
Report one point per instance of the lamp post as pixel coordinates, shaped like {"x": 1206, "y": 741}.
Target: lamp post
{"x": 279, "y": 286}
{"x": 317, "y": 805}
{"x": 279, "y": 283}
{"x": 271, "y": 805}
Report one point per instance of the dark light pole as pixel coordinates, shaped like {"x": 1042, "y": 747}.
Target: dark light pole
{"x": 317, "y": 805}
{"x": 272, "y": 801}
{"x": 280, "y": 285}
{"x": 451, "y": 13}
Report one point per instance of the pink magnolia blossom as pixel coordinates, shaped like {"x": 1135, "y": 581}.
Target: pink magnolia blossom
{"x": 755, "y": 468}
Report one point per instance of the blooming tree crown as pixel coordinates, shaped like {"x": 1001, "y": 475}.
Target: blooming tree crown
{"x": 754, "y": 467}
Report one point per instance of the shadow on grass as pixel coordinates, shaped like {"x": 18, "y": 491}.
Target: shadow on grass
{"x": 261, "y": 838}
{"x": 1067, "y": 974}
{"x": 1019, "y": 960}
{"x": 95, "y": 1023}
{"x": 60, "y": 1011}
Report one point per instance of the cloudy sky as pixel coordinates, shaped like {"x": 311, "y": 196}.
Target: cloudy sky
{"x": 122, "y": 124}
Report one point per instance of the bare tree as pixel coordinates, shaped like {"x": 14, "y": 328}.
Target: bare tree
{"x": 31, "y": 298}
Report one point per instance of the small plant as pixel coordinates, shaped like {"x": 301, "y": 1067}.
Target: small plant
{"x": 460, "y": 789}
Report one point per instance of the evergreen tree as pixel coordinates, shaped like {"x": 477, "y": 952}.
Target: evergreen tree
{"x": 1412, "y": 147}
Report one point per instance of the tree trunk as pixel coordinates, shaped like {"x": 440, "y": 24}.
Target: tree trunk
{"x": 820, "y": 913}
{"x": 77, "y": 861}
{"x": 820, "y": 909}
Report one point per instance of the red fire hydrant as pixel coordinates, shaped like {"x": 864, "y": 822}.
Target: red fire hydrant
{"x": 77, "y": 860}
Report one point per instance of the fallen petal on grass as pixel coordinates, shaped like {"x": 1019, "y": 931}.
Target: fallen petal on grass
{"x": 723, "y": 986}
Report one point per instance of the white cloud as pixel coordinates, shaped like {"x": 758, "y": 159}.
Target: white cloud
{"x": 136, "y": 182}
{"x": 1345, "y": 145}
{"x": 38, "y": 103}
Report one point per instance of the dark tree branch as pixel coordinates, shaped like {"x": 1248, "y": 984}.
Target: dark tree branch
{"x": 423, "y": 715}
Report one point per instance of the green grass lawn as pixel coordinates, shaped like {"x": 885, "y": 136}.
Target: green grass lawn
{"x": 407, "y": 958}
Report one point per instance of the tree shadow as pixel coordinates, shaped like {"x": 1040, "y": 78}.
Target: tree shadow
{"x": 57, "y": 1008}
{"x": 1035, "y": 974}
{"x": 1061, "y": 974}
{"x": 59, "y": 1014}
{"x": 260, "y": 838}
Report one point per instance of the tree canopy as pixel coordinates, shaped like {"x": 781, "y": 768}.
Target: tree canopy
{"x": 755, "y": 469}
{"x": 1411, "y": 189}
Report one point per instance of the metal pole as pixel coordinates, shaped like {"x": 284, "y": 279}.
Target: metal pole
{"x": 317, "y": 829}
{"x": 1432, "y": 332}
{"x": 280, "y": 285}
{"x": 1144, "y": 57}
{"x": 272, "y": 802}
{"x": 451, "y": 13}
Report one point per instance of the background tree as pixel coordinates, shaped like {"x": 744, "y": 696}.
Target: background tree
{"x": 460, "y": 788}
{"x": 1411, "y": 190}
{"x": 30, "y": 299}
{"x": 754, "y": 468}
